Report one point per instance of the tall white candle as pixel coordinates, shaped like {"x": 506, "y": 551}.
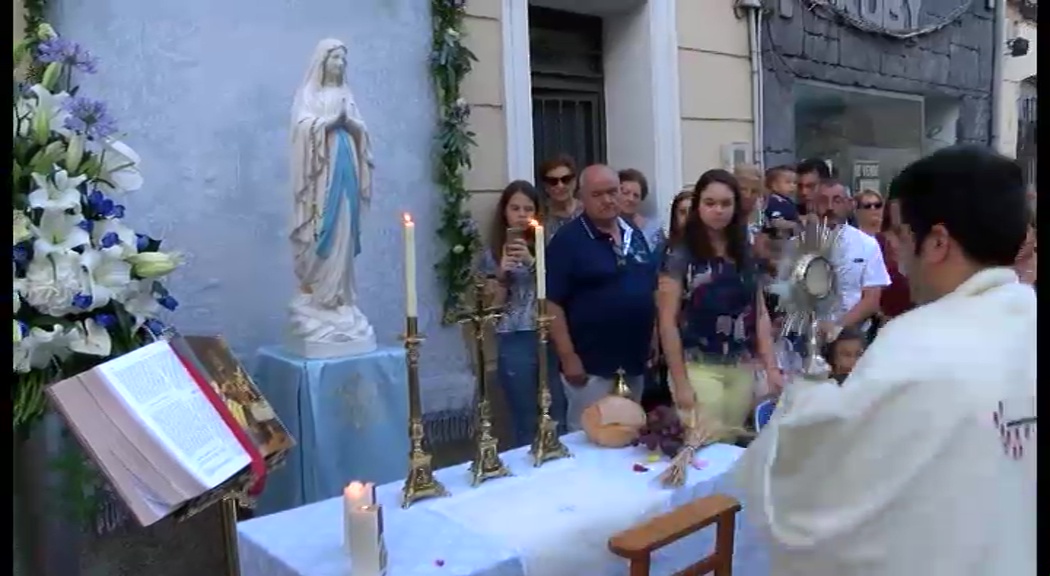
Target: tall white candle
{"x": 541, "y": 260}
{"x": 411, "y": 302}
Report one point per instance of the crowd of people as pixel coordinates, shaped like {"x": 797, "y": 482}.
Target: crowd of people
{"x": 685, "y": 312}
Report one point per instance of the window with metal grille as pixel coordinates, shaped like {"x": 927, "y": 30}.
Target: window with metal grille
{"x": 568, "y": 108}
{"x": 1026, "y": 130}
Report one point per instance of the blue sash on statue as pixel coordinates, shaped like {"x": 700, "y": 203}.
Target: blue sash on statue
{"x": 344, "y": 184}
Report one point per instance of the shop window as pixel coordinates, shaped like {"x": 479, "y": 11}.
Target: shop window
{"x": 868, "y": 136}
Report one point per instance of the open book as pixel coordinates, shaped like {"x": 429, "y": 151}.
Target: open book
{"x": 160, "y": 428}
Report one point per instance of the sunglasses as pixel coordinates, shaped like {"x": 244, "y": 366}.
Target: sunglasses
{"x": 871, "y": 206}
{"x": 555, "y": 180}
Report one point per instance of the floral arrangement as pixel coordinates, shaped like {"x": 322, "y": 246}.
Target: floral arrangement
{"x": 85, "y": 284}
{"x": 450, "y": 62}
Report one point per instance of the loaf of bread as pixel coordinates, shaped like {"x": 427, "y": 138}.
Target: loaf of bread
{"x": 613, "y": 421}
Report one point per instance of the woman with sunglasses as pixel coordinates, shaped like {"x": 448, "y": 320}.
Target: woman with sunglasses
{"x": 869, "y": 212}
{"x": 559, "y": 190}
{"x": 711, "y": 311}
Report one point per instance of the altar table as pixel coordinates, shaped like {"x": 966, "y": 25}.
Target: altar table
{"x": 549, "y": 521}
{"x": 347, "y": 416}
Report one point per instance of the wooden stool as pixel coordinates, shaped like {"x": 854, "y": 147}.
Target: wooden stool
{"x": 637, "y": 544}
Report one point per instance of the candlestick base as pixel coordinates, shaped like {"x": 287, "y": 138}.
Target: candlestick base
{"x": 420, "y": 483}
{"x": 487, "y": 463}
{"x": 547, "y": 445}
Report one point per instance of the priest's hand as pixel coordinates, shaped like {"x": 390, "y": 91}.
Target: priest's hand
{"x": 829, "y": 331}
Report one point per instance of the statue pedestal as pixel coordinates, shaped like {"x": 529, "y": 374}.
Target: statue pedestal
{"x": 330, "y": 350}
{"x": 349, "y": 416}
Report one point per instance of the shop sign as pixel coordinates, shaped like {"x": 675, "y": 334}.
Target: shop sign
{"x": 893, "y": 15}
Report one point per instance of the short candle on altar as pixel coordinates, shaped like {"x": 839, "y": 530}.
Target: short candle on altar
{"x": 411, "y": 301}
{"x": 541, "y": 259}
{"x": 358, "y": 494}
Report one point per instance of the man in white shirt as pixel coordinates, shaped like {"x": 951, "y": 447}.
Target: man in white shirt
{"x": 923, "y": 462}
{"x": 859, "y": 267}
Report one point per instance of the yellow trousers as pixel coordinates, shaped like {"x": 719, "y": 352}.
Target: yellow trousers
{"x": 724, "y": 394}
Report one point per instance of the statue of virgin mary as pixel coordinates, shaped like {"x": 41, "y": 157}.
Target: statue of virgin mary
{"x": 332, "y": 183}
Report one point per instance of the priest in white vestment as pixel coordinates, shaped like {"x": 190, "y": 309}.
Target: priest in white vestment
{"x": 923, "y": 462}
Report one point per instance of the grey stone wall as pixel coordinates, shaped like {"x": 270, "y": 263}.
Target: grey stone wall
{"x": 953, "y": 62}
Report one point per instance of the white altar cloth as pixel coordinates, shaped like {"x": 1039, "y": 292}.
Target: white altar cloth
{"x": 549, "y": 521}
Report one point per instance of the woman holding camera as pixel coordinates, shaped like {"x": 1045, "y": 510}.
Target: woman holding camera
{"x": 509, "y": 264}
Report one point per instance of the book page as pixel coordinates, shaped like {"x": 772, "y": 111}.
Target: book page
{"x": 158, "y": 390}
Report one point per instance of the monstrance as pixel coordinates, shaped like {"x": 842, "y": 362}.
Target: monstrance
{"x": 808, "y": 289}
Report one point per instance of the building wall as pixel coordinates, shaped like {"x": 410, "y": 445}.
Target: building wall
{"x": 954, "y": 62}
{"x": 483, "y": 90}
{"x": 714, "y": 88}
{"x": 1015, "y": 71}
{"x": 207, "y": 107}
{"x": 714, "y": 71}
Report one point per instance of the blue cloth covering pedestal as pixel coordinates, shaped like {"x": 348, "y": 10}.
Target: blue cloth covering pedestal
{"x": 348, "y": 415}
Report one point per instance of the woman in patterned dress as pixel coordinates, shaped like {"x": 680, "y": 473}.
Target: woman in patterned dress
{"x": 509, "y": 265}
{"x": 713, "y": 323}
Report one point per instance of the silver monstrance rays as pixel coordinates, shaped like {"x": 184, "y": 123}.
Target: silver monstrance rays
{"x": 808, "y": 289}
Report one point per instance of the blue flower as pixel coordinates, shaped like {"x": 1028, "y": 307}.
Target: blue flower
{"x": 83, "y": 301}
{"x": 155, "y": 326}
{"x": 104, "y": 207}
{"x": 22, "y": 253}
{"x": 168, "y": 302}
{"x": 109, "y": 240}
{"x": 89, "y": 117}
{"x": 141, "y": 242}
{"x": 86, "y": 225}
{"x": 23, "y": 328}
{"x": 107, "y": 321}
{"x": 66, "y": 52}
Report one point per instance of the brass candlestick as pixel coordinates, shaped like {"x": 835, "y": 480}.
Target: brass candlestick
{"x": 486, "y": 464}
{"x": 420, "y": 482}
{"x": 546, "y": 445}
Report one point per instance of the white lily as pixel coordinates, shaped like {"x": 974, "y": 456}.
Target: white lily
{"x": 108, "y": 275}
{"x": 52, "y": 106}
{"x": 16, "y": 300}
{"x": 154, "y": 264}
{"x": 40, "y": 347}
{"x": 58, "y": 232}
{"x": 120, "y": 168}
{"x": 140, "y": 302}
{"x": 16, "y": 335}
{"x": 128, "y": 243}
{"x": 90, "y": 337}
{"x": 20, "y": 224}
{"x": 56, "y": 191}
{"x": 52, "y": 282}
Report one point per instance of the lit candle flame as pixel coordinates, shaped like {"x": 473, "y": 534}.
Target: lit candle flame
{"x": 534, "y": 223}
{"x": 408, "y": 218}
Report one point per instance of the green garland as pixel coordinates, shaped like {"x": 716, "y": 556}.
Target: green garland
{"x": 35, "y": 15}
{"x": 450, "y": 62}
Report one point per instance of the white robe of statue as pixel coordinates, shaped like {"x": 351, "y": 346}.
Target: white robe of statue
{"x": 332, "y": 182}
{"x": 923, "y": 462}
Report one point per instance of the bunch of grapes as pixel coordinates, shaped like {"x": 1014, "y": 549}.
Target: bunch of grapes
{"x": 662, "y": 431}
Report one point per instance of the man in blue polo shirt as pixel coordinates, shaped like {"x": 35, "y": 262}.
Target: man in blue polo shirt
{"x": 601, "y": 280}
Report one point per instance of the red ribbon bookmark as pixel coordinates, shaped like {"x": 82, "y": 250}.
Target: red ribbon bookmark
{"x": 258, "y": 463}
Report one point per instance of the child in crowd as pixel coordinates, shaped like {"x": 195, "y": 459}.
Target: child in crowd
{"x": 843, "y": 353}
{"x": 749, "y": 177}
{"x": 780, "y": 215}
